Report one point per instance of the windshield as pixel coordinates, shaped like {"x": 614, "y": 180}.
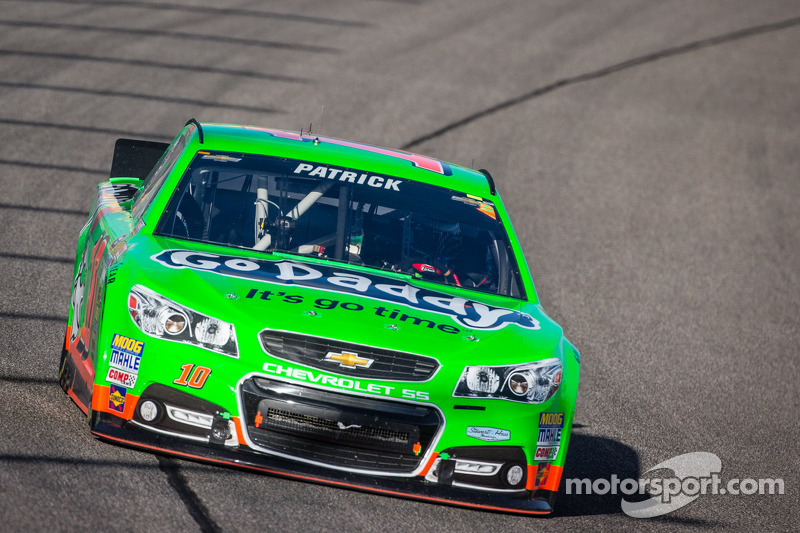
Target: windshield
{"x": 271, "y": 204}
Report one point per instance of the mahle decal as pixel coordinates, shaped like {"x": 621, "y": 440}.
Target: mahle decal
{"x": 126, "y": 353}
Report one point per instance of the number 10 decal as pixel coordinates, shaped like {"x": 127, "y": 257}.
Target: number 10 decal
{"x": 194, "y": 377}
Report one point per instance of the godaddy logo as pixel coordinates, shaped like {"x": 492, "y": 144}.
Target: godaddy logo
{"x": 469, "y": 313}
{"x": 694, "y": 474}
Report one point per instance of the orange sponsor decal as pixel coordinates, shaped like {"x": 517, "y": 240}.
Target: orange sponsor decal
{"x": 553, "y": 478}
{"x": 100, "y": 399}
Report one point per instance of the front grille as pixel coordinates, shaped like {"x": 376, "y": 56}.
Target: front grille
{"x": 378, "y": 437}
{"x": 311, "y": 351}
{"x": 338, "y": 429}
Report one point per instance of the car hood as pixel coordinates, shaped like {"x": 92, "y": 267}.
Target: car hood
{"x": 339, "y": 301}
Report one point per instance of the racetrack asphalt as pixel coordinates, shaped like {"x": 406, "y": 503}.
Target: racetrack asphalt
{"x": 648, "y": 153}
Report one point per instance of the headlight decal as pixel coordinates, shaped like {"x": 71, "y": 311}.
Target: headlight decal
{"x": 165, "y": 319}
{"x": 534, "y": 382}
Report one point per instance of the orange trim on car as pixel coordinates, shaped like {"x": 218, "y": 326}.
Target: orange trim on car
{"x": 553, "y": 478}
{"x": 239, "y": 432}
{"x": 550, "y": 480}
{"x": 101, "y": 399}
{"x": 429, "y": 465}
{"x": 531, "y": 484}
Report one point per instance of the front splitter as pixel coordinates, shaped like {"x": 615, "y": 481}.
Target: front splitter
{"x": 415, "y": 488}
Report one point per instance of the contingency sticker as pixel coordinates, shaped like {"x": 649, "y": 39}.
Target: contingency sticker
{"x": 121, "y": 377}
{"x": 488, "y": 434}
{"x": 541, "y": 474}
{"x": 485, "y": 207}
{"x": 546, "y": 453}
{"x": 550, "y": 427}
{"x": 222, "y": 158}
{"x": 549, "y": 440}
{"x": 116, "y": 398}
{"x": 126, "y": 353}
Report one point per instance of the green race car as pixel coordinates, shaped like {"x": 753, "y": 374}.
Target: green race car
{"x": 319, "y": 309}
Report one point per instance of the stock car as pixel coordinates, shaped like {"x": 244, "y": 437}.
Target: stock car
{"x": 318, "y": 309}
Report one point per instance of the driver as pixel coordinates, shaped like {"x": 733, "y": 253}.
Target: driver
{"x": 432, "y": 248}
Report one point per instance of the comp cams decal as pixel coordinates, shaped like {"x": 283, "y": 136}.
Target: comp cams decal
{"x": 468, "y": 313}
{"x": 121, "y": 377}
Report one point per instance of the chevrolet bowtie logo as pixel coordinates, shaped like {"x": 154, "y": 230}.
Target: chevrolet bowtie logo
{"x": 348, "y": 359}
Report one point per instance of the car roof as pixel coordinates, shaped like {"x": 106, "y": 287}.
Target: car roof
{"x": 343, "y": 153}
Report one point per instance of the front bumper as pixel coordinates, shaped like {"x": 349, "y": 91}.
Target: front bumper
{"x": 116, "y": 430}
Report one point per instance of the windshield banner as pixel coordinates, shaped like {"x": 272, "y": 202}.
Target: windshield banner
{"x": 468, "y": 313}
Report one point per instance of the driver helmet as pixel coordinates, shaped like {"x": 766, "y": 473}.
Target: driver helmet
{"x": 434, "y": 241}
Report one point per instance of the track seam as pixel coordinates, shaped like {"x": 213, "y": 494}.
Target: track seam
{"x": 205, "y": 38}
{"x": 43, "y": 209}
{"x": 606, "y": 71}
{"x": 28, "y": 316}
{"x": 26, "y": 257}
{"x": 138, "y": 96}
{"x": 197, "y": 510}
{"x": 47, "y": 166}
{"x": 216, "y": 11}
